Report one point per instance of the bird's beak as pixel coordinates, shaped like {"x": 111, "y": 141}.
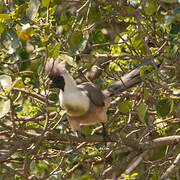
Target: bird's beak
{"x": 51, "y": 84}
{"x": 107, "y": 93}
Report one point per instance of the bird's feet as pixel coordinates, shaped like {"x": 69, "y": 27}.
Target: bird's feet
{"x": 80, "y": 134}
{"x": 104, "y": 134}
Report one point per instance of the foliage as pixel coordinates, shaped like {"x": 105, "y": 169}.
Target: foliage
{"x": 100, "y": 40}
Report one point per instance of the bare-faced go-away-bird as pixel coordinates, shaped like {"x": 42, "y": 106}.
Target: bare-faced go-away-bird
{"x": 85, "y": 104}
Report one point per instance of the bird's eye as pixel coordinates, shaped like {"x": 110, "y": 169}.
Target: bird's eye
{"x": 116, "y": 88}
{"x": 50, "y": 77}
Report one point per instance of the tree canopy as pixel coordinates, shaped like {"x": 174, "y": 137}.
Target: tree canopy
{"x": 100, "y": 41}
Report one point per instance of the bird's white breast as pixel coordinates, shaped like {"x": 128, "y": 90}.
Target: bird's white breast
{"x": 74, "y": 101}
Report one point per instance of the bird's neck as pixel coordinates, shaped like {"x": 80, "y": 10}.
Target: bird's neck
{"x": 72, "y": 98}
{"x": 70, "y": 83}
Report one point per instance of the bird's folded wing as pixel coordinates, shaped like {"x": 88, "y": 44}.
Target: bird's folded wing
{"x": 95, "y": 94}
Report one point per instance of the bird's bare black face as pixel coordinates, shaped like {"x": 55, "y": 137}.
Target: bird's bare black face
{"x": 57, "y": 82}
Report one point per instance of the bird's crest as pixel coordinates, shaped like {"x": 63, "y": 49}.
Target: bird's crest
{"x": 55, "y": 67}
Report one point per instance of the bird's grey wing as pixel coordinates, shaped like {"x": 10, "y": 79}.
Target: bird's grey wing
{"x": 95, "y": 94}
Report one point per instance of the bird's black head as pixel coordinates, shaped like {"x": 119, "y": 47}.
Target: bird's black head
{"x": 57, "y": 82}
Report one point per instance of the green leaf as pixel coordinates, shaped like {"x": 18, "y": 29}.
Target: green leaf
{"x": 137, "y": 43}
{"x": 4, "y": 107}
{"x": 160, "y": 126}
{"x": 79, "y": 43}
{"x": 56, "y": 50}
{"x": 169, "y": 1}
{"x": 142, "y": 111}
{"x": 145, "y": 70}
{"x": 141, "y": 72}
{"x": 82, "y": 45}
{"x": 150, "y": 7}
{"x": 164, "y": 107}
{"x": 2, "y": 27}
{"x": 5, "y": 81}
{"x": 52, "y": 108}
{"x": 134, "y": 174}
{"x": 175, "y": 29}
{"x": 173, "y": 19}
{"x": 10, "y": 40}
{"x": 76, "y": 38}
{"x": 125, "y": 106}
{"x": 45, "y": 3}
{"x": 5, "y": 16}
{"x": 21, "y": 9}
{"x": 32, "y": 9}
{"x": 176, "y": 92}
{"x": 86, "y": 130}
{"x": 169, "y": 20}
{"x": 32, "y": 165}
{"x": 85, "y": 177}
{"x": 160, "y": 123}
{"x": 26, "y": 33}
{"x": 146, "y": 94}
{"x": 73, "y": 157}
{"x": 177, "y": 11}
{"x": 68, "y": 59}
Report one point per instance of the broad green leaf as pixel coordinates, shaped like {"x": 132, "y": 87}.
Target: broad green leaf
{"x": 137, "y": 43}
{"x": 142, "y": 110}
{"x": 68, "y": 59}
{"x": 32, "y": 165}
{"x": 145, "y": 70}
{"x": 76, "y": 38}
{"x": 5, "y": 81}
{"x": 176, "y": 91}
{"x": 174, "y": 19}
{"x": 169, "y": 1}
{"x": 160, "y": 123}
{"x": 82, "y": 45}
{"x": 146, "y": 94}
{"x": 177, "y": 11}
{"x": 169, "y": 20}
{"x": 33, "y": 8}
{"x": 141, "y": 72}
{"x": 72, "y": 157}
{"x": 63, "y": 18}
{"x": 125, "y": 106}
{"x": 150, "y": 7}
{"x": 160, "y": 126}
{"x": 27, "y": 31}
{"x": 86, "y": 130}
{"x": 134, "y": 174}
{"x": 10, "y": 40}
{"x": 85, "y": 177}
{"x": 94, "y": 15}
{"x": 52, "y": 108}
{"x": 164, "y": 107}
{"x": 4, "y": 16}
{"x": 4, "y": 107}
{"x": 79, "y": 43}
{"x": 2, "y": 27}
{"x": 45, "y": 3}
{"x": 21, "y": 9}
{"x": 130, "y": 9}
{"x": 56, "y": 50}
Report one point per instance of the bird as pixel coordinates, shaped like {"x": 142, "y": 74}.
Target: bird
{"x": 85, "y": 103}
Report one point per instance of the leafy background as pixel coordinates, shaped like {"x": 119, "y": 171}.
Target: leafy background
{"x": 100, "y": 41}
